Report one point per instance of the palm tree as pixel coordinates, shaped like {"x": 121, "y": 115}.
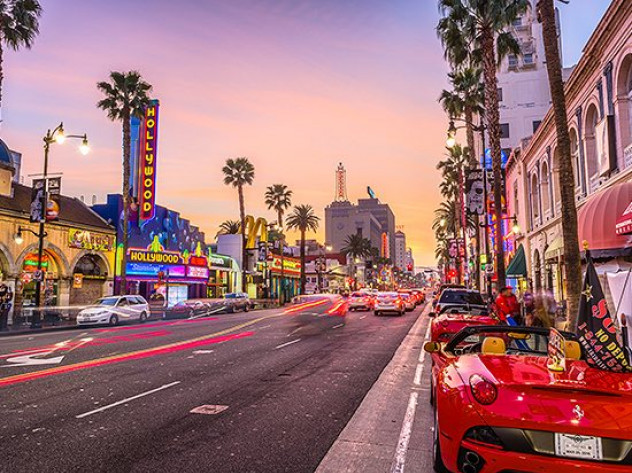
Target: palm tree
{"x": 239, "y": 172}
{"x": 303, "y": 219}
{"x": 126, "y": 95}
{"x": 572, "y": 261}
{"x": 474, "y": 28}
{"x": 356, "y": 246}
{"x": 279, "y": 198}
{"x": 19, "y": 25}
{"x": 229, "y": 227}
{"x": 465, "y": 100}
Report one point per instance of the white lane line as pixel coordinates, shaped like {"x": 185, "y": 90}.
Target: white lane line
{"x": 265, "y": 326}
{"x": 123, "y": 401}
{"x": 363, "y": 317}
{"x": 422, "y": 355}
{"x": 418, "y": 372}
{"x": 338, "y": 326}
{"x": 286, "y": 344}
{"x": 404, "y": 436}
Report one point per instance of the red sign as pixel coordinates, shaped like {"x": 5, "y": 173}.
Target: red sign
{"x": 198, "y": 261}
{"x": 147, "y": 163}
{"x": 624, "y": 222}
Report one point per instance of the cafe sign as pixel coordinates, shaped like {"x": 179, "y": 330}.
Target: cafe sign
{"x": 219, "y": 261}
{"x": 85, "y": 240}
{"x": 291, "y": 266}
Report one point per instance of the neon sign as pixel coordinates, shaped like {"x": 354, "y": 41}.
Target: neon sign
{"x": 142, "y": 256}
{"x": 254, "y": 228}
{"x": 147, "y": 171}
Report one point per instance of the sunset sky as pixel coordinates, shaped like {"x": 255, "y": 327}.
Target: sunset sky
{"x": 294, "y": 85}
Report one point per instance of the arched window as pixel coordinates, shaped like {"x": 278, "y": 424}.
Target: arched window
{"x": 537, "y": 271}
{"x": 90, "y": 265}
{"x": 624, "y": 102}
{"x": 574, "y": 157}
{"x": 592, "y": 161}
{"x": 535, "y": 198}
{"x": 545, "y": 189}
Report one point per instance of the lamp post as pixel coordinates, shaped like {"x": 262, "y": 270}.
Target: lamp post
{"x": 320, "y": 262}
{"x": 55, "y": 136}
{"x": 450, "y": 143}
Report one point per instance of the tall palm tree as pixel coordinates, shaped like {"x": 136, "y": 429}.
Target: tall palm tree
{"x": 126, "y": 95}
{"x": 238, "y": 173}
{"x": 572, "y": 261}
{"x": 19, "y": 25}
{"x": 303, "y": 219}
{"x": 229, "y": 227}
{"x": 279, "y": 198}
{"x": 356, "y": 246}
{"x": 475, "y": 28}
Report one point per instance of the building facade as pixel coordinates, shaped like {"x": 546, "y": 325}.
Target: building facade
{"x": 78, "y": 257}
{"x": 343, "y": 219}
{"x": 599, "y": 111}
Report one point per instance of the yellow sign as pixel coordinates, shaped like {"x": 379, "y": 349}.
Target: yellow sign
{"x": 290, "y": 265}
{"x": 254, "y": 229}
{"x": 85, "y": 240}
{"x": 77, "y": 281}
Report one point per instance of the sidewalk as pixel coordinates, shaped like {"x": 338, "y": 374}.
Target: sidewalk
{"x": 391, "y": 430}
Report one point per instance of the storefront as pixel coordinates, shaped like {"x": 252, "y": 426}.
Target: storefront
{"x": 165, "y": 259}
{"x": 286, "y": 285}
{"x": 223, "y": 272}
{"x": 171, "y": 276}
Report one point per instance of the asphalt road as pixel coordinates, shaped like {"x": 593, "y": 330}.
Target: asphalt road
{"x": 121, "y": 399}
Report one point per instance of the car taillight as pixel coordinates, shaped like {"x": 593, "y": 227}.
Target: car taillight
{"x": 483, "y": 390}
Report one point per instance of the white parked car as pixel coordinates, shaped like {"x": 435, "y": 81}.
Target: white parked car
{"x": 113, "y": 310}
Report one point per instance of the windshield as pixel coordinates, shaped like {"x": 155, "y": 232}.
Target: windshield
{"x": 517, "y": 340}
{"x": 232, "y": 295}
{"x": 111, "y": 301}
{"x": 461, "y": 297}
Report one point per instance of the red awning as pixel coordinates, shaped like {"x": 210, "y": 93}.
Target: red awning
{"x": 598, "y": 219}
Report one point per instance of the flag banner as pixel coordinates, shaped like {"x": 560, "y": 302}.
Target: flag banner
{"x": 37, "y": 200}
{"x": 475, "y": 192}
{"x": 54, "y": 193}
{"x": 595, "y": 327}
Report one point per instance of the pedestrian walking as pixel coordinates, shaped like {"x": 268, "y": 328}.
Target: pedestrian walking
{"x": 6, "y": 296}
{"x": 507, "y": 306}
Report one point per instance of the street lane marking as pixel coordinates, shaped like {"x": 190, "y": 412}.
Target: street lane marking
{"x": 404, "y": 436}
{"x": 363, "y": 317}
{"x": 422, "y": 355}
{"x": 338, "y": 326}
{"x": 29, "y": 360}
{"x": 177, "y": 346}
{"x": 288, "y": 343}
{"x": 123, "y": 401}
{"x": 418, "y": 373}
{"x": 202, "y": 352}
{"x": 208, "y": 409}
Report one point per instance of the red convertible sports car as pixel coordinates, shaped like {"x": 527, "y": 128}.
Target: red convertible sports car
{"x": 501, "y": 407}
{"x": 443, "y": 327}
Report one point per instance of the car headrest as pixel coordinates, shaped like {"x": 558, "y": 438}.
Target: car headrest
{"x": 573, "y": 350}
{"x": 493, "y": 346}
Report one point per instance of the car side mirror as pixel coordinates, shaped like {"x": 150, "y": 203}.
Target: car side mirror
{"x": 432, "y": 314}
{"x": 432, "y": 347}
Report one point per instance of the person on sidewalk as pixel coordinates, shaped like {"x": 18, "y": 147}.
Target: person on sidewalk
{"x": 507, "y": 305}
{"x": 5, "y": 306}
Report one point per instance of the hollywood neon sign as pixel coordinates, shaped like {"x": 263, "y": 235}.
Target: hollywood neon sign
{"x": 147, "y": 174}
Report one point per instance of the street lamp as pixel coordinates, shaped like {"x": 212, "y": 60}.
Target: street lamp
{"x": 450, "y": 142}
{"x": 55, "y": 136}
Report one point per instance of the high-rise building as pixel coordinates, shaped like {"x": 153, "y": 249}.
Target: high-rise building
{"x": 400, "y": 250}
{"x": 370, "y": 218}
{"x": 523, "y": 85}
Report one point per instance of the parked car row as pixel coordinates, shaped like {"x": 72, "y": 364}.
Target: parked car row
{"x": 113, "y": 310}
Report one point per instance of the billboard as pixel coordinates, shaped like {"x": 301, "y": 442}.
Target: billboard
{"x": 147, "y": 163}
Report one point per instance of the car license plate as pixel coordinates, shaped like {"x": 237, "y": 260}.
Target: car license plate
{"x": 578, "y": 446}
